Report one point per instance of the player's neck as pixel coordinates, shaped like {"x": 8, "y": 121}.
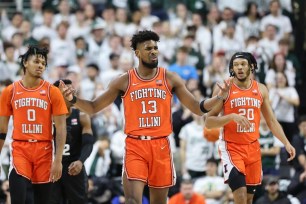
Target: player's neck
{"x": 31, "y": 82}
{"x": 243, "y": 84}
{"x": 146, "y": 73}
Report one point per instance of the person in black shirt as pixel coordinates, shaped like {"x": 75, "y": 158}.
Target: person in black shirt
{"x": 72, "y": 187}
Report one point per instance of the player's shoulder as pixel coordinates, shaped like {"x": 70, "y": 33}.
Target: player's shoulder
{"x": 173, "y": 78}
{"x": 120, "y": 82}
{"x": 8, "y": 89}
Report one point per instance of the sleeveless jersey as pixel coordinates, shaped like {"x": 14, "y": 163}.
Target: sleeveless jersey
{"x": 73, "y": 146}
{"x": 246, "y": 102}
{"x": 32, "y": 109}
{"x": 147, "y": 105}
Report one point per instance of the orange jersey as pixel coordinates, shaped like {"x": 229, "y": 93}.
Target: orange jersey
{"x": 246, "y": 102}
{"x": 32, "y": 109}
{"x": 147, "y": 105}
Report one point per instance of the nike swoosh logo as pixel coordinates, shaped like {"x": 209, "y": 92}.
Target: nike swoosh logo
{"x": 234, "y": 92}
{"x": 134, "y": 84}
{"x": 47, "y": 147}
{"x": 19, "y": 93}
{"x": 163, "y": 147}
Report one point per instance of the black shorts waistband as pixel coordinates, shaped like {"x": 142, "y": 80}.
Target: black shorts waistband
{"x": 145, "y": 137}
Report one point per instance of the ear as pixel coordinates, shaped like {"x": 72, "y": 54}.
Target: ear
{"x": 252, "y": 68}
{"x": 137, "y": 53}
{"x": 232, "y": 73}
{"x": 25, "y": 63}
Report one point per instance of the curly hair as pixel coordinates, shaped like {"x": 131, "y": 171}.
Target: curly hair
{"x": 245, "y": 55}
{"x": 33, "y": 50}
{"x": 143, "y": 36}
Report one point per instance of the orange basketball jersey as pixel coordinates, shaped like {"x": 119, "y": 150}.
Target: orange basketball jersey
{"x": 147, "y": 105}
{"x": 246, "y": 102}
{"x": 32, "y": 109}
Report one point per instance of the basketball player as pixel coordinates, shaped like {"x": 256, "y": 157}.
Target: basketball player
{"x": 146, "y": 92}
{"x": 33, "y": 102}
{"x": 239, "y": 146}
{"x": 72, "y": 186}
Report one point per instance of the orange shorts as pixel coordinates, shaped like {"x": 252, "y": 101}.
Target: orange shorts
{"x": 150, "y": 161}
{"x": 245, "y": 157}
{"x": 33, "y": 160}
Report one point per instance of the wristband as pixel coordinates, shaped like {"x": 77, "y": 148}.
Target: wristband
{"x": 202, "y": 107}
{"x": 2, "y": 136}
{"x": 74, "y": 100}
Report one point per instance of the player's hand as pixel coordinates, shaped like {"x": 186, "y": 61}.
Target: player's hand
{"x": 291, "y": 151}
{"x": 242, "y": 121}
{"x": 66, "y": 91}
{"x": 56, "y": 171}
{"x": 75, "y": 168}
{"x": 224, "y": 88}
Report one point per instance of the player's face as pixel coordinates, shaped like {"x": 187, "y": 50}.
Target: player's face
{"x": 35, "y": 66}
{"x": 148, "y": 54}
{"x": 241, "y": 69}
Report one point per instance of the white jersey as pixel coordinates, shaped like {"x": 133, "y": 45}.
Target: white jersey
{"x": 198, "y": 149}
{"x": 209, "y": 184}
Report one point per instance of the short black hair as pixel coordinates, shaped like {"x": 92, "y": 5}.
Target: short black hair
{"x": 66, "y": 81}
{"x": 34, "y": 50}
{"x": 143, "y": 36}
{"x": 93, "y": 65}
{"x": 212, "y": 160}
{"x": 245, "y": 55}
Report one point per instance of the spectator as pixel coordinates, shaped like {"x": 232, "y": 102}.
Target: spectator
{"x": 285, "y": 100}
{"x": 184, "y": 70}
{"x": 215, "y": 72}
{"x": 269, "y": 42}
{"x": 9, "y": 68}
{"x": 64, "y": 13}
{"x": 109, "y": 74}
{"x": 211, "y": 186}
{"x": 274, "y": 195}
{"x": 98, "y": 163}
{"x": 280, "y": 64}
{"x": 195, "y": 149}
{"x": 147, "y": 18}
{"x": 14, "y": 26}
{"x": 79, "y": 28}
{"x": 91, "y": 85}
{"x": 298, "y": 183}
{"x": 47, "y": 28}
{"x": 270, "y": 148}
{"x": 282, "y": 23}
{"x": 187, "y": 195}
{"x": 35, "y": 13}
{"x": 250, "y": 22}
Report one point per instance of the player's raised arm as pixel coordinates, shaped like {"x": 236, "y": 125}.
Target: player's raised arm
{"x": 106, "y": 98}
{"x": 188, "y": 100}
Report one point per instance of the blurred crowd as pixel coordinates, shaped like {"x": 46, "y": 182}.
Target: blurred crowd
{"x": 89, "y": 43}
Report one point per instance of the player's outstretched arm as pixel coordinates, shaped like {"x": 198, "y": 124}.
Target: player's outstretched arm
{"x": 185, "y": 97}
{"x": 272, "y": 122}
{"x": 180, "y": 89}
{"x": 102, "y": 101}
